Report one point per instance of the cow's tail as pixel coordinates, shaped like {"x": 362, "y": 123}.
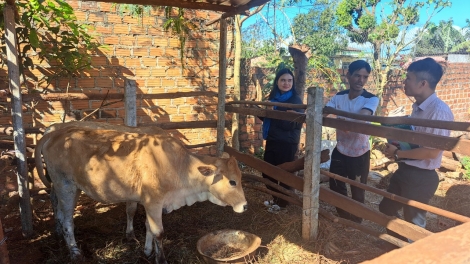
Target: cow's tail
{"x": 38, "y": 159}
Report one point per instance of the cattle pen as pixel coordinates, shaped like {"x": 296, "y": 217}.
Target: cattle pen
{"x": 309, "y": 185}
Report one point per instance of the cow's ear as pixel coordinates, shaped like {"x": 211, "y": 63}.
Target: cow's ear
{"x": 206, "y": 170}
{"x": 225, "y": 155}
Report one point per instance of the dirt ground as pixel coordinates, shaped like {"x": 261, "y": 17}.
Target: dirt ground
{"x": 100, "y": 229}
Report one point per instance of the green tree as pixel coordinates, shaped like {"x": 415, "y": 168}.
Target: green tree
{"x": 441, "y": 38}
{"x": 50, "y": 29}
{"x": 318, "y": 29}
{"x": 367, "y": 21}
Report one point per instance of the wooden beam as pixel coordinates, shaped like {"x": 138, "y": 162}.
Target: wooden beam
{"x": 271, "y": 170}
{"x": 183, "y": 125}
{"x": 182, "y": 4}
{"x": 281, "y": 115}
{"x": 398, "y": 226}
{"x": 399, "y": 120}
{"x": 222, "y": 88}
{"x": 82, "y": 96}
{"x": 130, "y": 103}
{"x": 201, "y": 145}
{"x": 17, "y": 113}
{"x": 293, "y": 106}
{"x": 403, "y": 200}
{"x": 28, "y": 130}
{"x": 311, "y": 186}
{"x": 391, "y": 239}
{"x": 461, "y": 146}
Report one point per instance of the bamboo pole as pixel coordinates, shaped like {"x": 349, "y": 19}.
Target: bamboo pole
{"x": 16, "y": 109}
{"x": 311, "y": 186}
{"x": 222, "y": 88}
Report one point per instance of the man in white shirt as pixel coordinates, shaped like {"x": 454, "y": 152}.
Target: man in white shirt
{"x": 416, "y": 177}
{"x": 351, "y": 156}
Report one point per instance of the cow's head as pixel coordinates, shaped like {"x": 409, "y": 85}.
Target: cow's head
{"x": 226, "y": 183}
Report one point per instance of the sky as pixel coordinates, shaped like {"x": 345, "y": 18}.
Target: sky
{"x": 459, "y": 12}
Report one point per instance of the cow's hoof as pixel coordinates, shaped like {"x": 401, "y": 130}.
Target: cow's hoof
{"x": 131, "y": 238}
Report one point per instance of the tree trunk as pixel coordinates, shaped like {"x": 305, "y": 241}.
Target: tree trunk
{"x": 300, "y": 54}
{"x": 236, "y": 81}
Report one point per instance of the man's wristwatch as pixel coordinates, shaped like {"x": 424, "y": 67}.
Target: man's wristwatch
{"x": 395, "y": 155}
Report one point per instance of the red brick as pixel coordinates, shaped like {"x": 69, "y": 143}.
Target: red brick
{"x": 96, "y": 17}
{"x": 121, "y": 29}
{"x": 114, "y": 19}
{"x": 127, "y": 40}
{"x": 138, "y": 29}
{"x": 122, "y": 52}
{"x": 144, "y": 41}
{"x": 140, "y": 52}
{"x": 111, "y": 40}
{"x": 157, "y": 52}
{"x": 149, "y": 62}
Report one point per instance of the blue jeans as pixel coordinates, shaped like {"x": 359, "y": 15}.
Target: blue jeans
{"x": 412, "y": 183}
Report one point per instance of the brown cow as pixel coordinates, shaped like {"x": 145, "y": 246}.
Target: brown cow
{"x": 155, "y": 170}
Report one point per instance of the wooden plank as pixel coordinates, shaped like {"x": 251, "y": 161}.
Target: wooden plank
{"x": 82, "y": 96}
{"x": 399, "y": 120}
{"x": 293, "y": 106}
{"x": 461, "y": 146}
{"x": 397, "y": 242}
{"x": 16, "y": 108}
{"x": 28, "y": 130}
{"x": 130, "y": 103}
{"x": 222, "y": 88}
{"x": 403, "y": 200}
{"x": 311, "y": 187}
{"x": 271, "y": 170}
{"x": 281, "y": 115}
{"x": 182, "y": 4}
{"x": 184, "y": 125}
{"x": 399, "y": 226}
{"x": 446, "y": 247}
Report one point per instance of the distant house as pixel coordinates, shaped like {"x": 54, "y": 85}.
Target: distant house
{"x": 344, "y": 57}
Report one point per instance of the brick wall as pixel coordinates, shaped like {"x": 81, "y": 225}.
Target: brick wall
{"x": 454, "y": 89}
{"x": 139, "y": 49}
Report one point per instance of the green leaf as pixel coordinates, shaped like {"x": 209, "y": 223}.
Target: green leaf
{"x": 33, "y": 38}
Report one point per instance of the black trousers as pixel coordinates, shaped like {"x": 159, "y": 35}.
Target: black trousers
{"x": 412, "y": 183}
{"x": 351, "y": 168}
{"x": 277, "y": 153}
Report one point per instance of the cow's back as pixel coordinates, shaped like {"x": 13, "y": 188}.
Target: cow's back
{"x": 112, "y": 166}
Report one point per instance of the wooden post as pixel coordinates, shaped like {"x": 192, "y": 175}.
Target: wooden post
{"x": 4, "y": 259}
{"x": 130, "y": 103}
{"x": 312, "y": 163}
{"x": 222, "y": 87}
{"x": 17, "y": 117}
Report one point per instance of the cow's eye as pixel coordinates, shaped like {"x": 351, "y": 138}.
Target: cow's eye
{"x": 233, "y": 183}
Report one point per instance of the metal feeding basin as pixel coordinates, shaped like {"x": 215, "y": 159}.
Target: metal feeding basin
{"x": 228, "y": 246}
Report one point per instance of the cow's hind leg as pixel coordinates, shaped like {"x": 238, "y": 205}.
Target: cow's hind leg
{"x": 131, "y": 207}
{"x": 67, "y": 196}
{"x": 154, "y": 234}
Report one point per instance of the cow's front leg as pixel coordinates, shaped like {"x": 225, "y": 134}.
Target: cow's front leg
{"x": 154, "y": 234}
{"x": 131, "y": 207}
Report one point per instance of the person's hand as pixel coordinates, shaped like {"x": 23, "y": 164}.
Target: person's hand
{"x": 389, "y": 150}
